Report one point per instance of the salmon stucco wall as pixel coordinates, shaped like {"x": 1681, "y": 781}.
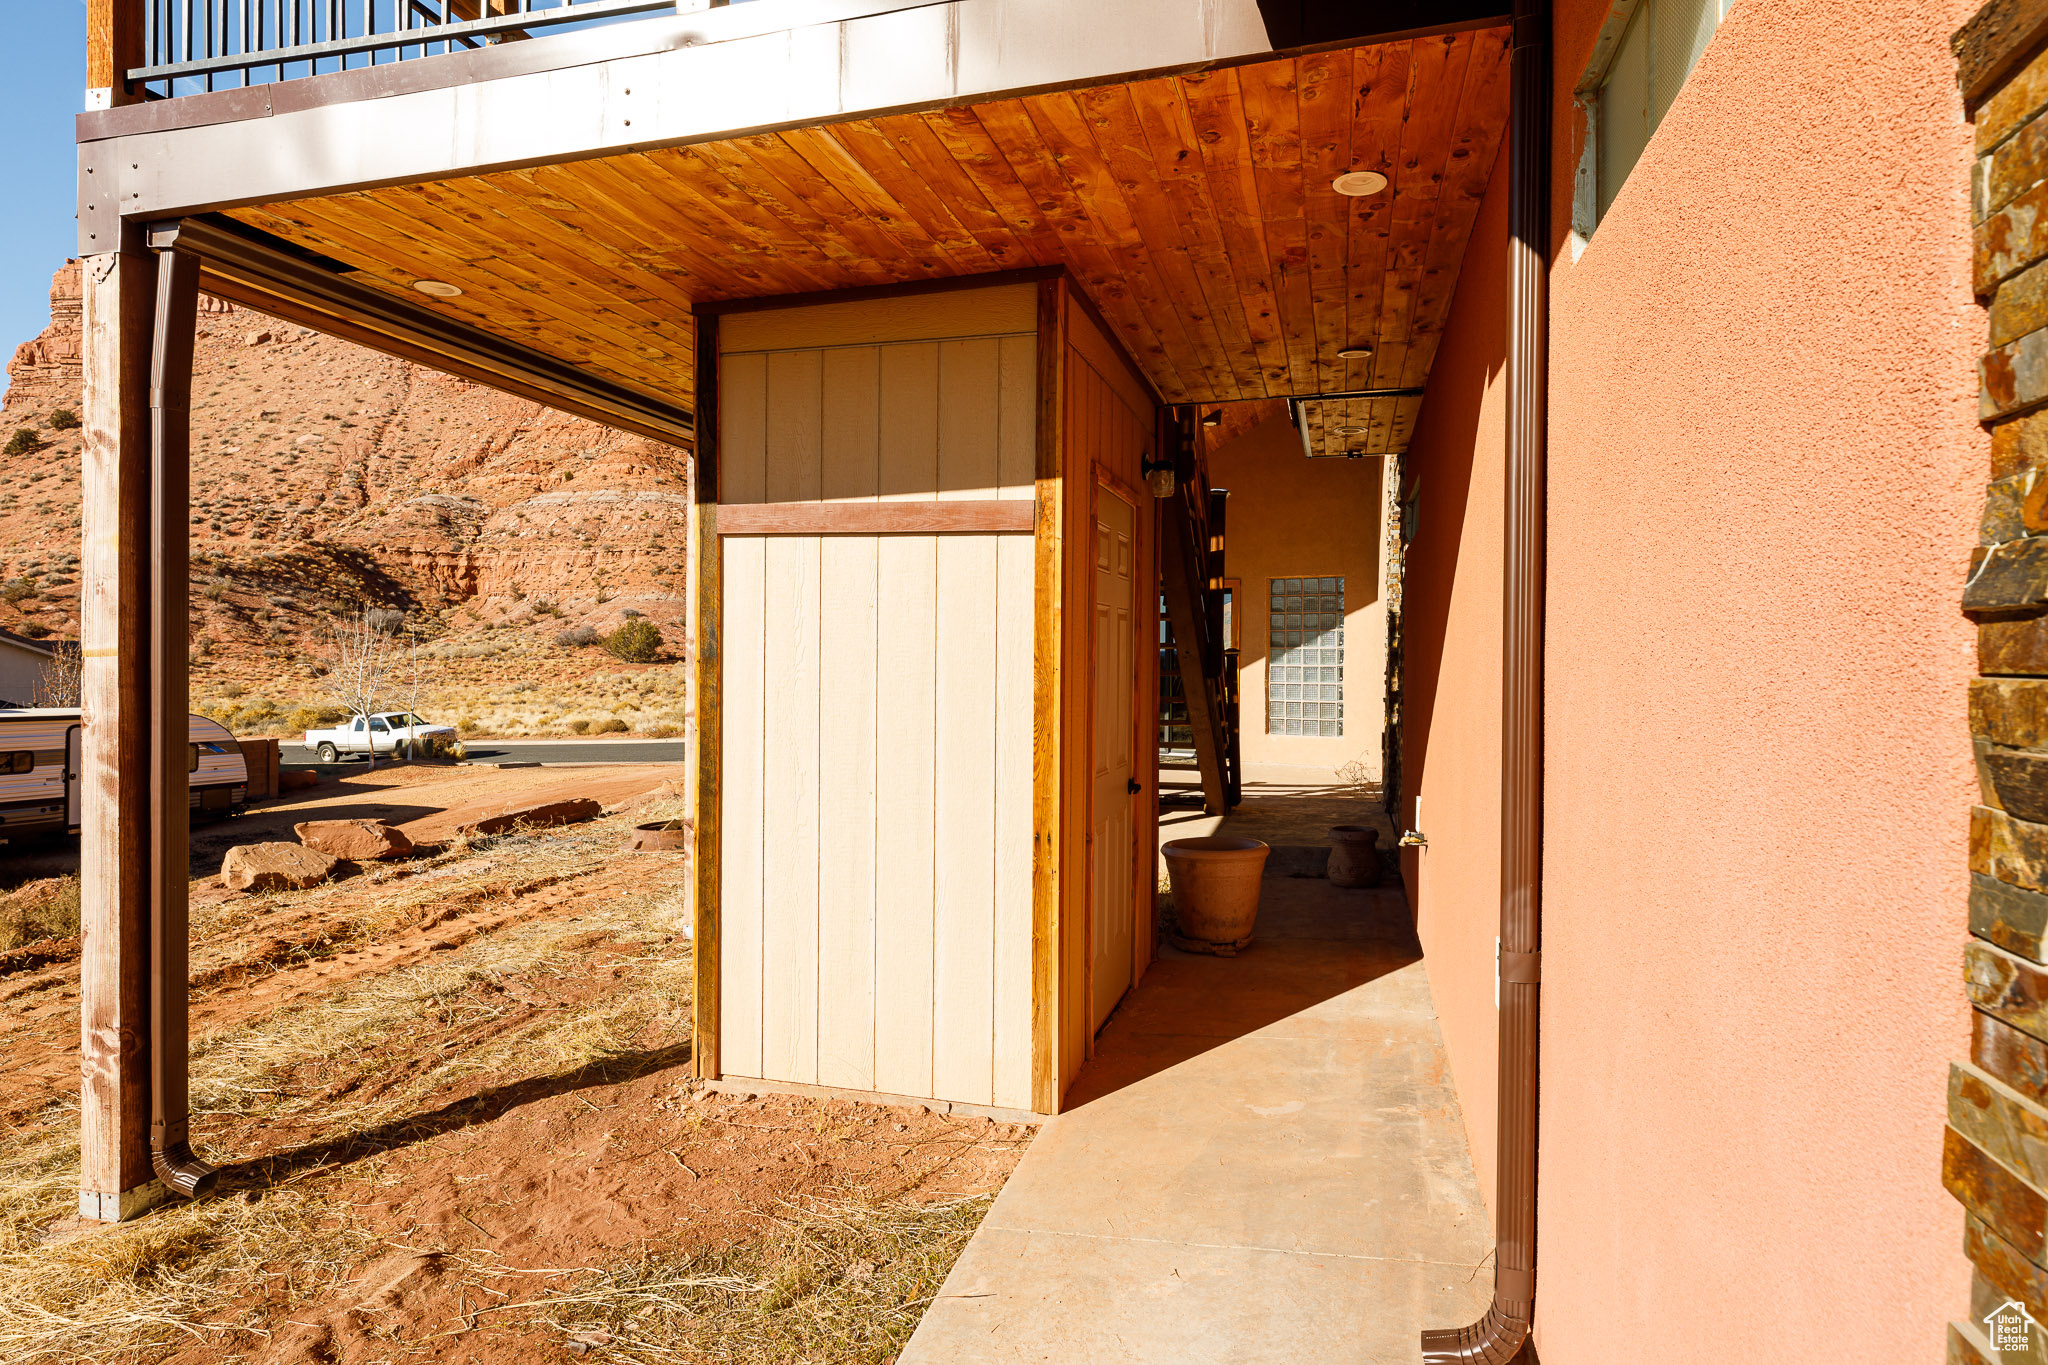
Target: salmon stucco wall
{"x": 1764, "y": 475}
{"x": 1293, "y": 517}
{"x": 1450, "y": 668}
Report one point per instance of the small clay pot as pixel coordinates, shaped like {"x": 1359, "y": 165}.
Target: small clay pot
{"x": 1215, "y": 888}
{"x": 1354, "y": 855}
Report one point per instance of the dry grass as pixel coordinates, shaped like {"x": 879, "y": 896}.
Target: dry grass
{"x": 838, "y": 1282}
{"x": 127, "y": 1292}
{"x": 133, "y": 1291}
{"x": 38, "y": 910}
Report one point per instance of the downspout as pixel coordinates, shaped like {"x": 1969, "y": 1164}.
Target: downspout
{"x": 1500, "y": 1336}
{"x": 170, "y": 449}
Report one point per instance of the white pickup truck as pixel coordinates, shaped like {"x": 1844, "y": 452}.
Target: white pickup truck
{"x": 387, "y": 732}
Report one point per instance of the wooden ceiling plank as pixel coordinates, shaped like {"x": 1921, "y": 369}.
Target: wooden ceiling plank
{"x": 661, "y": 207}
{"x": 1324, "y": 95}
{"x": 1064, "y": 129}
{"x": 833, "y": 236}
{"x": 900, "y": 241}
{"x": 527, "y": 194}
{"x": 1474, "y": 143}
{"x": 1437, "y": 80}
{"x": 1177, "y": 157}
{"x": 685, "y": 176}
{"x": 604, "y": 198}
{"x": 1008, "y": 124}
{"x": 929, "y": 159}
{"x": 872, "y": 149}
{"x": 1273, "y": 136}
{"x": 1127, "y": 154}
{"x": 1379, "y": 103}
{"x": 1407, "y": 412}
{"x": 825, "y": 153}
{"x": 353, "y": 232}
{"x": 1217, "y": 113}
{"x": 960, "y": 131}
{"x": 598, "y": 325}
{"x": 627, "y": 187}
{"x": 647, "y": 294}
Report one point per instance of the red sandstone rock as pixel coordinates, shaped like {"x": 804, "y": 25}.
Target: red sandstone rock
{"x": 456, "y": 495}
{"x": 534, "y": 814}
{"x": 359, "y": 841}
{"x": 274, "y": 867}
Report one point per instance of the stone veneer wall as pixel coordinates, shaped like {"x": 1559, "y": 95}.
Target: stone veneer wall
{"x": 1995, "y": 1152}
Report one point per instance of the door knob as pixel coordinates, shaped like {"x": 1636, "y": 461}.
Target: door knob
{"x": 1134, "y": 786}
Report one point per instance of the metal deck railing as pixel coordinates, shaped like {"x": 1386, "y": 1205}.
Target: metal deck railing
{"x": 191, "y": 46}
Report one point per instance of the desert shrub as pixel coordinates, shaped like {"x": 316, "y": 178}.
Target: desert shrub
{"x": 39, "y": 910}
{"x": 466, "y": 725}
{"x": 438, "y": 746}
{"x": 35, "y": 630}
{"x": 577, "y": 636}
{"x": 543, "y": 607}
{"x": 313, "y": 717}
{"x": 611, "y": 725}
{"x": 22, "y": 442}
{"x": 17, "y": 589}
{"x": 386, "y": 620}
{"x": 579, "y": 726}
{"x": 233, "y": 689}
{"x": 64, "y": 419}
{"x": 638, "y": 641}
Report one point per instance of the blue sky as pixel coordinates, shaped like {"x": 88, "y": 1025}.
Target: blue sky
{"x": 42, "y": 87}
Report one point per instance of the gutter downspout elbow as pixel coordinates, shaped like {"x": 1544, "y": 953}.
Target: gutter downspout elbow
{"x": 1500, "y": 1336}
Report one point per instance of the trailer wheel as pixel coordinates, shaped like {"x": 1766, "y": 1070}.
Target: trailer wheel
{"x": 326, "y": 753}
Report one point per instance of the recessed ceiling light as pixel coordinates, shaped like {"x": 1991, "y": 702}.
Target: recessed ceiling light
{"x": 1357, "y": 184}
{"x": 1354, "y": 353}
{"x": 1350, "y": 431}
{"x": 440, "y": 289}
{"x": 1212, "y": 419}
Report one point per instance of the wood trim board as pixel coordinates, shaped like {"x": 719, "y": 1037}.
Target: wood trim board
{"x": 707, "y": 587}
{"x": 875, "y": 518}
{"x": 1048, "y": 757}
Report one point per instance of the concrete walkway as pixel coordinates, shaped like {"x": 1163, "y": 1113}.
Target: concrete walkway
{"x": 1265, "y": 1163}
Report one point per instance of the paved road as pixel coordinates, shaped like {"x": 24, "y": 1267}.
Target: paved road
{"x": 537, "y": 751}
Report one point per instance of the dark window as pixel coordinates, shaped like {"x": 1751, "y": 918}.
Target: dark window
{"x": 22, "y": 761}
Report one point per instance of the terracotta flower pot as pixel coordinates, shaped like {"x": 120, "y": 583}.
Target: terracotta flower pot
{"x": 1354, "y": 855}
{"x": 1215, "y": 888}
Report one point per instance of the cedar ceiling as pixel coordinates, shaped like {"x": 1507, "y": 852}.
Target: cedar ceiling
{"x": 1195, "y": 210}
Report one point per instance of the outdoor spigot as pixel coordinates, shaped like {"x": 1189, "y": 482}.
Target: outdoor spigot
{"x": 1414, "y": 838}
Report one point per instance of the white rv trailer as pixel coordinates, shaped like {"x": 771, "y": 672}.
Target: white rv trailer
{"x": 39, "y": 770}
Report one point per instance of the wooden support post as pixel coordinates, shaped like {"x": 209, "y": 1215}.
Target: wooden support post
{"x": 113, "y": 48}
{"x": 119, "y": 301}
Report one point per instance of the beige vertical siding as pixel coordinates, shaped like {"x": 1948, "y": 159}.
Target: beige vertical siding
{"x": 877, "y": 849}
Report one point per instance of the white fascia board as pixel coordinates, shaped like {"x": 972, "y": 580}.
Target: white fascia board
{"x": 939, "y": 54}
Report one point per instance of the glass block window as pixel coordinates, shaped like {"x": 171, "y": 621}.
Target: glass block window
{"x": 1305, "y": 657}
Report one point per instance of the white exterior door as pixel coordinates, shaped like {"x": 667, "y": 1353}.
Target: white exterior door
{"x": 1113, "y": 899}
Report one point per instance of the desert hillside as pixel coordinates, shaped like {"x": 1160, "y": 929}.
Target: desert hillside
{"x": 326, "y": 477}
